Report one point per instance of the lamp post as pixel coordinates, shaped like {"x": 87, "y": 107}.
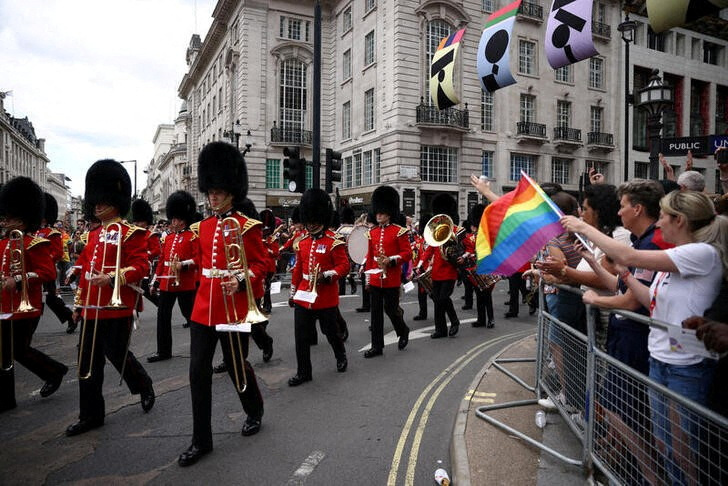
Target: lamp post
{"x": 654, "y": 98}
{"x": 248, "y": 142}
{"x": 627, "y": 29}
{"x": 135, "y": 174}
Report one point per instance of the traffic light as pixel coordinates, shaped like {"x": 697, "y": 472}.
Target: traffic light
{"x": 294, "y": 169}
{"x": 333, "y": 169}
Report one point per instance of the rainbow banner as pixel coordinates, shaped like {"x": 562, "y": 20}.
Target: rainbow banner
{"x": 515, "y": 227}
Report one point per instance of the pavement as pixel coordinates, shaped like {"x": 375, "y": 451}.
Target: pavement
{"x": 483, "y": 454}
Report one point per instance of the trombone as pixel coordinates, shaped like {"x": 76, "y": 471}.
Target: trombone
{"x": 173, "y": 270}
{"x": 237, "y": 264}
{"x": 115, "y": 302}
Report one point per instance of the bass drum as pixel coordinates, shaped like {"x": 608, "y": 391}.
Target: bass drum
{"x": 357, "y": 244}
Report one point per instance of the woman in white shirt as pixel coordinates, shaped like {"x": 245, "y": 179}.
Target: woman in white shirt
{"x": 688, "y": 280}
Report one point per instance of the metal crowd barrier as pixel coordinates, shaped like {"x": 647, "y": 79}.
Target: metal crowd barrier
{"x": 632, "y": 429}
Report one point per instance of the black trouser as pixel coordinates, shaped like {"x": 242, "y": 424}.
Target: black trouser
{"x": 305, "y": 320}
{"x": 468, "y": 292}
{"x": 35, "y": 361}
{"x": 55, "y": 303}
{"x": 422, "y": 299}
{"x": 441, "y": 292}
{"x": 516, "y": 285}
{"x": 154, "y": 299}
{"x": 365, "y": 294}
{"x": 484, "y": 302}
{"x": 385, "y": 300}
{"x": 260, "y": 336}
{"x": 267, "y": 304}
{"x": 112, "y": 339}
{"x": 341, "y": 326}
{"x": 186, "y": 299}
{"x": 203, "y": 341}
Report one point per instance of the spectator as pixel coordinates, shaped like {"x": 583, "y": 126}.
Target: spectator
{"x": 691, "y": 180}
{"x": 721, "y": 157}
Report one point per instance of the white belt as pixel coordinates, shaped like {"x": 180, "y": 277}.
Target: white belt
{"x": 306, "y": 276}
{"x": 216, "y": 272}
{"x": 166, "y": 264}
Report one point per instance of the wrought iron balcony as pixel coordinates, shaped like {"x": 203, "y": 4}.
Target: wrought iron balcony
{"x": 531, "y": 10}
{"x": 531, "y": 130}
{"x": 601, "y": 29}
{"x": 290, "y": 135}
{"x": 567, "y": 134}
{"x": 598, "y": 141}
{"x": 429, "y": 115}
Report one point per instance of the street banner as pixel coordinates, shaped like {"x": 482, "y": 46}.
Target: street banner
{"x": 494, "y": 49}
{"x": 569, "y": 33}
{"x": 442, "y": 71}
{"x": 666, "y": 14}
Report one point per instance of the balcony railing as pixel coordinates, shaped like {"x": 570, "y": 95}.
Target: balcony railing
{"x": 531, "y": 9}
{"x": 290, "y": 135}
{"x": 567, "y": 134}
{"x": 531, "y": 129}
{"x": 449, "y": 117}
{"x": 601, "y": 29}
{"x": 599, "y": 138}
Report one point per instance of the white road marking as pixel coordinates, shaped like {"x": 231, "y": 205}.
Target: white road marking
{"x": 423, "y": 332}
{"x": 306, "y": 468}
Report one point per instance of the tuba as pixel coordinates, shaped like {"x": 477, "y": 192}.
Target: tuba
{"x": 440, "y": 232}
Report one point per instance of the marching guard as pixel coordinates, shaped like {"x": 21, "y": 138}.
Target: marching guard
{"x": 143, "y": 217}
{"x": 113, "y": 261}
{"x": 389, "y": 248}
{"x": 423, "y": 290}
{"x": 176, "y": 275}
{"x": 26, "y": 265}
{"x": 321, "y": 261}
{"x": 221, "y": 297}
{"x": 482, "y": 284}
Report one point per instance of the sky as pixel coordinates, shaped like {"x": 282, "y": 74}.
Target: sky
{"x": 96, "y": 77}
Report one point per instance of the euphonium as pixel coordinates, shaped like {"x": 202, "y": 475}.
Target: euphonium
{"x": 17, "y": 266}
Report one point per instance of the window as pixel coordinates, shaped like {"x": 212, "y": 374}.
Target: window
{"x": 273, "y": 174}
{"x": 367, "y": 168}
{"x": 655, "y": 41}
{"x": 563, "y": 113}
{"x": 436, "y": 31}
{"x": 357, "y": 169}
{"x": 526, "y": 57}
{"x": 489, "y": 5}
{"x": 369, "y": 49}
{"x": 214, "y": 106}
{"x": 596, "y": 72}
{"x": 348, "y": 171}
{"x": 522, "y": 162}
{"x": 721, "y": 109}
{"x": 486, "y": 160}
{"x": 486, "y": 111}
{"x": 438, "y": 164}
{"x": 564, "y": 74}
{"x": 346, "y": 19}
{"x": 346, "y": 64}
{"x": 295, "y": 29}
{"x": 680, "y": 45}
{"x": 219, "y": 97}
{"x": 528, "y": 108}
{"x": 309, "y": 176}
{"x": 369, "y": 4}
{"x": 711, "y": 53}
{"x": 600, "y": 166}
{"x": 561, "y": 170}
{"x": 293, "y": 95}
{"x": 597, "y": 113}
{"x": 377, "y": 165}
{"x": 369, "y": 110}
{"x": 642, "y": 170}
{"x": 346, "y": 120}
{"x": 599, "y": 12}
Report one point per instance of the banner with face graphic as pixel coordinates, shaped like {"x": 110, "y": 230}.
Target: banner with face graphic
{"x": 569, "y": 33}
{"x": 494, "y": 49}
{"x": 666, "y": 14}
{"x": 442, "y": 71}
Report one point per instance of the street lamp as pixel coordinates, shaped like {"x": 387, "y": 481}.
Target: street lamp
{"x": 654, "y": 98}
{"x": 627, "y": 29}
{"x": 248, "y": 143}
{"x": 135, "y": 173}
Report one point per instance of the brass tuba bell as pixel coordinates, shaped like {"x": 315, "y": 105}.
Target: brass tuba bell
{"x": 439, "y": 230}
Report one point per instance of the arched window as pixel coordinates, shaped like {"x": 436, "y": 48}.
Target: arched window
{"x": 436, "y": 30}
{"x": 293, "y": 95}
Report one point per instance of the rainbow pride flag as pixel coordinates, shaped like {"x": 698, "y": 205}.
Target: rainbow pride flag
{"x": 515, "y": 227}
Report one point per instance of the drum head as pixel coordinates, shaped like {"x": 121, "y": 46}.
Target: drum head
{"x": 357, "y": 244}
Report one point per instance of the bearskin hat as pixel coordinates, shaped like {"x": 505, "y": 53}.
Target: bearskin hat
{"x": 476, "y": 213}
{"x": 296, "y": 215}
{"x": 23, "y": 199}
{"x": 347, "y": 215}
{"x": 268, "y": 219}
{"x": 51, "y": 209}
{"x": 142, "y": 211}
{"x": 444, "y": 203}
{"x": 316, "y": 207}
{"x": 107, "y": 181}
{"x": 385, "y": 199}
{"x": 222, "y": 166}
{"x": 181, "y": 205}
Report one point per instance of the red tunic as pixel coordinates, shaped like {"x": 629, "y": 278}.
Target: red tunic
{"x": 328, "y": 253}
{"x": 183, "y": 244}
{"x": 390, "y": 240}
{"x": 134, "y": 265}
{"x": 38, "y": 260}
{"x": 441, "y": 268}
{"x": 154, "y": 245}
{"x": 56, "y": 239}
{"x": 209, "y": 308}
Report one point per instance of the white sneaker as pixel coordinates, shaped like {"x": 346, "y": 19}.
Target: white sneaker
{"x": 547, "y": 403}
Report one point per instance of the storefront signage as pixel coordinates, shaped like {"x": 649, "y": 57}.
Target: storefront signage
{"x": 680, "y": 146}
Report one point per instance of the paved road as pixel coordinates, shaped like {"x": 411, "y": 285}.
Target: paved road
{"x": 387, "y": 420}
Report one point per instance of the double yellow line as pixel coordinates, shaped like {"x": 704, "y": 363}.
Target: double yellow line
{"x": 443, "y": 379}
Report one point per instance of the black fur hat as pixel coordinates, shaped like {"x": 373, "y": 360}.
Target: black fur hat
{"x": 385, "y": 199}
{"x": 247, "y": 207}
{"x": 181, "y": 205}
{"x": 51, "y": 209}
{"x": 141, "y": 211}
{"x": 476, "y": 213}
{"x": 444, "y": 203}
{"x": 107, "y": 181}
{"x": 23, "y": 199}
{"x": 316, "y": 207}
{"x": 296, "y": 215}
{"x": 268, "y": 219}
{"x": 222, "y": 166}
{"x": 347, "y": 215}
